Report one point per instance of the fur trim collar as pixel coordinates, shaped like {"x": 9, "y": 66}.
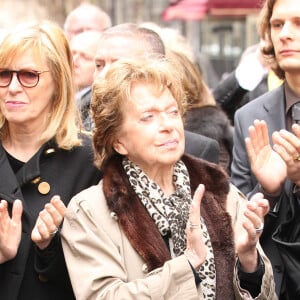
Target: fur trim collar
{"x": 144, "y": 235}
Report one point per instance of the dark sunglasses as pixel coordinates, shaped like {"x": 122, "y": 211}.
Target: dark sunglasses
{"x": 27, "y": 78}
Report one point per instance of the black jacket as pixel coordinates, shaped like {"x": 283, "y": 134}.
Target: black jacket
{"x": 212, "y": 122}
{"x": 33, "y": 274}
{"x": 280, "y": 241}
{"x": 201, "y": 146}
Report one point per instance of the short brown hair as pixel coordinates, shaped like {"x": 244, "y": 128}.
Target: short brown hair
{"x": 115, "y": 88}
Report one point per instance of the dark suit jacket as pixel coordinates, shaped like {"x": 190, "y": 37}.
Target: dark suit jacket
{"x": 268, "y": 107}
{"x": 201, "y": 146}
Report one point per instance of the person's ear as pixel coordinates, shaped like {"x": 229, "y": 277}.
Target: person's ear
{"x": 120, "y": 147}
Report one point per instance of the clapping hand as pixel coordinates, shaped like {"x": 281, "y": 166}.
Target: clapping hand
{"x": 266, "y": 164}
{"x": 253, "y": 224}
{"x": 48, "y": 222}
{"x": 287, "y": 145}
{"x": 195, "y": 250}
{"x": 10, "y": 230}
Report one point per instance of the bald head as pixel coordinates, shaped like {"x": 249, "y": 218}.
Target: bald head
{"x": 126, "y": 40}
{"x": 86, "y": 17}
{"x": 148, "y": 38}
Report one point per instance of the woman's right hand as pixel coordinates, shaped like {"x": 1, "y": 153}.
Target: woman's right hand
{"x": 195, "y": 248}
{"x": 10, "y": 230}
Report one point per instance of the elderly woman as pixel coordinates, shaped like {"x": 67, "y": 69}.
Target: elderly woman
{"x": 44, "y": 161}
{"x": 157, "y": 225}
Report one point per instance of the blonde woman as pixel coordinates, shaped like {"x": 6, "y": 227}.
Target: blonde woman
{"x": 44, "y": 160}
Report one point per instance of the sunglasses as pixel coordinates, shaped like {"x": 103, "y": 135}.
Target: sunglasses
{"x": 27, "y": 78}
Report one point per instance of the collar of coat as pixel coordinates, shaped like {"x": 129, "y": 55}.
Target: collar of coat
{"x": 143, "y": 234}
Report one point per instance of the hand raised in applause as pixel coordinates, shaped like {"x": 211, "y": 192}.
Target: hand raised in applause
{"x": 10, "y": 230}
{"x": 266, "y": 164}
{"x": 287, "y": 145}
{"x": 252, "y": 220}
{"x": 48, "y": 222}
{"x": 195, "y": 250}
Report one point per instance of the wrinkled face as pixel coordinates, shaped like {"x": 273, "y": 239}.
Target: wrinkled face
{"x": 114, "y": 48}
{"x": 285, "y": 34}
{"x": 152, "y": 134}
{"x": 83, "y": 47}
{"x": 23, "y": 106}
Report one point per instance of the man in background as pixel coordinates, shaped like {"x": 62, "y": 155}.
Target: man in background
{"x": 86, "y": 17}
{"x": 272, "y": 164}
{"x": 84, "y": 46}
{"x": 82, "y": 28}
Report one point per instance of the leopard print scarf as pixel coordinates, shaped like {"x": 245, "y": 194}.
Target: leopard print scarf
{"x": 170, "y": 215}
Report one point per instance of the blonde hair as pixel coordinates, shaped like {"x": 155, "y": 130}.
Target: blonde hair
{"x": 48, "y": 41}
{"x": 113, "y": 90}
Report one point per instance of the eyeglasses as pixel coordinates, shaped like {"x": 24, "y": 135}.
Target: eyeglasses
{"x": 27, "y": 78}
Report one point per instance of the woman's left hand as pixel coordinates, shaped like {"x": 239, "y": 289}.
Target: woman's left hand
{"x": 195, "y": 248}
{"x": 253, "y": 224}
{"x": 48, "y": 222}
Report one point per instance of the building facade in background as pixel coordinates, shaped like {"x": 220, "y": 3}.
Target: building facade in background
{"x": 218, "y": 29}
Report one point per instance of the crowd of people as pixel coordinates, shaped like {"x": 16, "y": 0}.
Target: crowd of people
{"x": 125, "y": 176}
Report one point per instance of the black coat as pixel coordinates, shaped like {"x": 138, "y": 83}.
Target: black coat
{"x": 212, "y": 122}
{"x": 33, "y": 274}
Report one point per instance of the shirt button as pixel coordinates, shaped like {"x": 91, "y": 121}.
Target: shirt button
{"x": 44, "y": 188}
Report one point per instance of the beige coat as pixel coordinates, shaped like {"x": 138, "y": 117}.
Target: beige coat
{"x": 103, "y": 264}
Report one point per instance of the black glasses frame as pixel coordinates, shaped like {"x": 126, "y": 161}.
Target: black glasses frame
{"x": 19, "y": 77}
